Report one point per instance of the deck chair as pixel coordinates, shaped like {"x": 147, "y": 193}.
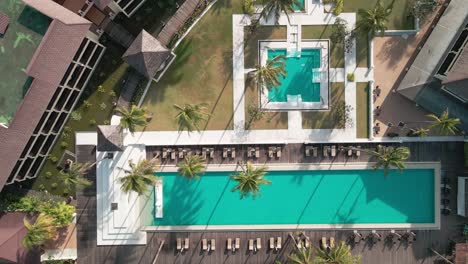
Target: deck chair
{"x": 270, "y": 152}
{"x": 323, "y": 243}
{"x": 204, "y": 244}
{"x": 357, "y": 237}
{"x": 213, "y": 244}
{"x": 233, "y": 153}
{"x": 164, "y": 154}
{"x": 278, "y": 152}
{"x": 332, "y": 242}
{"x": 325, "y": 151}
{"x": 173, "y": 155}
{"x": 179, "y": 244}
{"x": 272, "y": 243}
{"x": 358, "y": 151}
{"x": 306, "y": 243}
{"x": 186, "y": 244}
{"x": 333, "y": 151}
{"x": 251, "y": 246}
{"x": 237, "y": 245}
{"x": 249, "y": 152}
{"x": 278, "y": 243}
{"x": 350, "y": 152}
{"x": 315, "y": 152}
{"x": 181, "y": 153}
{"x": 257, "y": 152}
{"x": 229, "y": 244}
{"x": 259, "y": 243}
{"x": 307, "y": 151}
{"x": 225, "y": 152}
{"x": 211, "y": 153}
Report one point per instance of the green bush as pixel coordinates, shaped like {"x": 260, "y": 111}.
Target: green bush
{"x": 48, "y": 175}
{"x": 102, "y": 106}
{"x": 101, "y": 89}
{"x": 61, "y": 212}
{"x": 53, "y": 158}
{"x": 64, "y": 144}
{"x": 76, "y": 116}
{"x": 54, "y": 185}
{"x": 338, "y": 7}
{"x": 92, "y": 122}
{"x": 249, "y": 7}
{"x": 350, "y": 77}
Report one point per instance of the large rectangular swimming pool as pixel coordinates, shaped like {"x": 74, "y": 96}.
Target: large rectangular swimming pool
{"x": 302, "y": 197}
{"x": 299, "y": 78}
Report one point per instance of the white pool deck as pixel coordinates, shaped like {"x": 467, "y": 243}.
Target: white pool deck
{"x": 124, "y": 225}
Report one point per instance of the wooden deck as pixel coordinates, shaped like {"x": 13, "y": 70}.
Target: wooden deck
{"x": 177, "y": 21}
{"x": 450, "y": 154}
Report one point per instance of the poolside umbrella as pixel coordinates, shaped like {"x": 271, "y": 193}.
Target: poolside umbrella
{"x": 146, "y": 54}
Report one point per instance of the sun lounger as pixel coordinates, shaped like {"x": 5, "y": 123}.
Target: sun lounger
{"x": 278, "y": 152}
{"x": 333, "y": 151}
{"x": 278, "y": 243}
{"x": 164, "y": 154}
{"x": 204, "y": 151}
{"x": 350, "y": 152}
{"x": 307, "y": 151}
{"x": 306, "y": 243}
{"x": 249, "y": 152}
{"x": 324, "y": 245}
{"x": 272, "y": 243}
{"x": 225, "y": 153}
{"x": 229, "y": 244}
{"x": 259, "y": 243}
{"x": 257, "y": 152}
{"x": 332, "y": 242}
{"x": 186, "y": 244}
{"x": 173, "y": 155}
{"x": 325, "y": 151}
{"x": 179, "y": 244}
{"x": 204, "y": 244}
{"x": 211, "y": 153}
{"x": 181, "y": 153}
{"x": 237, "y": 245}
{"x": 270, "y": 152}
{"x": 213, "y": 245}
{"x": 315, "y": 152}
{"x": 233, "y": 153}
{"x": 357, "y": 237}
{"x": 358, "y": 151}
{"x": 251, "y": 244}
{"x": 411, "y": 237}
{"x": 299, "y": 244}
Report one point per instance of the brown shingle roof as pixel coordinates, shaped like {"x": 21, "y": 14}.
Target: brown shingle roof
{"x": 146, "y": 54}
{"x": 4, "y": 21}
{"x": 48, "y": 66}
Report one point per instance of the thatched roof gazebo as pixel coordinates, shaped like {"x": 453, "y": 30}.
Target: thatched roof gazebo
{"x": 146, "y": 55}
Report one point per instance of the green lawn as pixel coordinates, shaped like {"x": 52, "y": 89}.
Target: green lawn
{"x": 326, "y": 119}
{"x": 324, "y": 32}
{"x": 362, "y": 110}
{"x": 201, "y": 73}
{"x": 109, "y": 73}
{"x": 399, "y": 19}
{"x": 262, "y": 33}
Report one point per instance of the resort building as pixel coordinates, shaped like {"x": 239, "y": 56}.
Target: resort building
{"x": 437, "y": 79}
{"x": 57, "y": 73}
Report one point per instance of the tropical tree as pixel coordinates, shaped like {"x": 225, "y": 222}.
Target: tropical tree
{"x": 337, "y": 255}
{"x": 72, "y": 178}
{"x": 139, "y": 177}
{"x": 39, "y": 232}
{"x": 420, "y": 131}
{"x": 444, "y": 124}
{"x": 191, "y": 167}
{"x": 374, "y": 20}
{"x": 249, "y": 180}
{"x": 269, "y": 74}
{"x": 132, "y": 118}
{"x": 388, "y": 157}
{"x": 275, "y": 7}
{"x": 190, "y": 116}
{"x": 301, "y": 256}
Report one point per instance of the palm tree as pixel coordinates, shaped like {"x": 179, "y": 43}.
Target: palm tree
{"x": 374, "y": 20}
{"x": 277, "y": 6}
{"x": 132, "y": 118}
{"x": 192, "y": 167}
{"x": 337, "y": 255}
{"x": 420, "y": 131}
{"x": 301, "y": 256}
{"x": 40, "y": 232}
{"x": 139, "y": 177}
{"x": 190, "y": 116}
{"x": 388, "y": 157}
{"x": 268, "y": 75}
{"x": 444, "y": 124}
{"x": 73, "y": 177}
{"x": 249, "y": 180}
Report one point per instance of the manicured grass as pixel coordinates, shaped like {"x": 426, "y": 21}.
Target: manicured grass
{"x": 262, "y": 33}
{"x": 362, "y": 109}
{"x": 270, "y": 120}
{"x": 201, "y": 73}
{"x": 324, "y": 32}
{"x": 109, "y": 73}
{"x": 326, "y": 119}
{"x": 399, "y": 19}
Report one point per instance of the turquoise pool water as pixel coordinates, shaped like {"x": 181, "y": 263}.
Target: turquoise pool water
{"x": 302, "y": 197}
{"x": 299, "y": 76}
{"x": 301, "y": 6}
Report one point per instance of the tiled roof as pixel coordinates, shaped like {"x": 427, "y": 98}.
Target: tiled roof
{"x": 4, "y": 21}
{"x": 146, "y": 54}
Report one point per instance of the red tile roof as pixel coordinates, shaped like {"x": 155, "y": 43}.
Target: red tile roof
{"x": 4, "y": 21}
{"x": 461, "y": 253}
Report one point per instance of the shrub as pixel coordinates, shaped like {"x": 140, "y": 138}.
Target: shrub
{"x": 421, "y": 8}
{"x": 254, "y": 113}
{"x": 338, "y": 7}
{"x": 76, "y": 116}
{"x": 53, "y": 158}
{"x": 101, "y": 89}
{"x": 54, "y": 185}
{"x": 61, "y": 212}
{"x": 339, "y": 31}
{"x": 64, "y": 144}
{"x": 67, "y": 129}
{"x": 112, "y": 93}
{"x": 92, "y": 122}
{"x": 350, "y": 77}
{"x": 42, "y": 187}
{"x": 87, "y": 104}
{"x": 342, "y": 115}
{"x": 248, "y": 7}
{"x": 102, "y": 106}
{"x": 106, "y": 122}
{"x": 48, "y": 175}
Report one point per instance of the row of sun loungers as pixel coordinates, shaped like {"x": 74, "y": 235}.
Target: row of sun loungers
{"x": 231, "y": 244}
{"x": 229, "y": 152}
{"x": 332, "y": 151}
{"x": 274, "y": 152}
{"x": 211, "y": 246}
{"x": 183, "y": 247}
{"x": 393, "y": 237}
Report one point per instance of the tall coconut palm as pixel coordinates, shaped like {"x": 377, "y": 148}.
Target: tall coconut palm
{"x": 72, "y": 178}
{"x": 444, "y": 124}
{"x": 269, "y": 74}
{"x": 374, "y": 20}
{"x": 139, "y": 177}
{"x": 39, "y": 232}
{"x": 275, "y": 7}
{"x": 190, "y": 116}
{"x": 337, "y": 255}
{"x": 301, "y": 256}
{"x": 420, "y": 131}
{"x": 132, "y": 118}
{"x": 191, "y": 167}
{"x": 249, "y": 180}
{"x": 388, "y": 157}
